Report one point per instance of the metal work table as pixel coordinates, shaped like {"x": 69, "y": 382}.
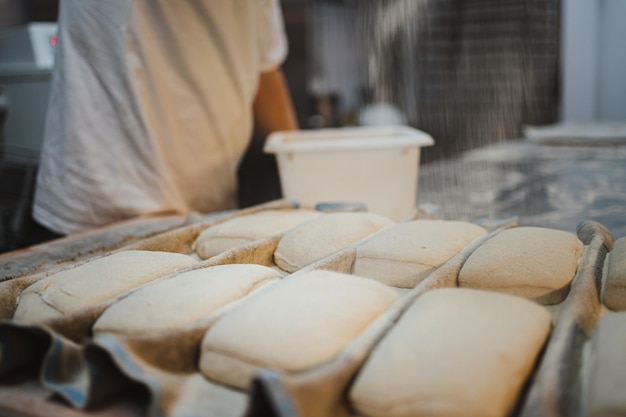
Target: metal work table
{"x": 555, "y": 184}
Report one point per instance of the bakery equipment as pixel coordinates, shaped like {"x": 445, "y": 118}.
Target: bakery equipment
{"x": 173, "y": 384}
{"x": 377, "y": 166}
{"x": 26, "y": 61}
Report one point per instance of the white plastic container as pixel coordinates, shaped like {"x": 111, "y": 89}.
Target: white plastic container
{"x": 377, "y": 166}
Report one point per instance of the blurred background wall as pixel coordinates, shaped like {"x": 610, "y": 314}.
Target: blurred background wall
{"x": 469, "y": 72}
{"x": 18, "y": 12}
{"x": 594, "y": 60}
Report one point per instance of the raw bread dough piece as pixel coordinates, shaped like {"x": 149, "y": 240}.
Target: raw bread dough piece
{"x": 245, "y": 229}
{"x": 614, "y": 295}
{"x": 95, "y": 282}
{"x": 607, "y": 368}
{"x": 183, "y": 299}
{"x": 406, "y": 253}
{"x": 318, "y": 238}
{"x": 454, "y": 352}
{"x": 295, "y": 324}
{"x": 530, "y": 262}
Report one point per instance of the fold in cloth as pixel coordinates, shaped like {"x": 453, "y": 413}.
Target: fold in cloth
{"x": 166, "y": 364}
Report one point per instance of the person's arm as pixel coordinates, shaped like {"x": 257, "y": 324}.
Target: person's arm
{"x": 273, "y": 109}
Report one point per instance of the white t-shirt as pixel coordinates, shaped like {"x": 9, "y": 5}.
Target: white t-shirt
{"x": 151, "y": 106}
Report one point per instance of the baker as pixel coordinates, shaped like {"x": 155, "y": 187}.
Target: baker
{"x": 152, "y": 107}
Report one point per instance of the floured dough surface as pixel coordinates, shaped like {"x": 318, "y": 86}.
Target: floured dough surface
{"x": 614, "y": 295}
{"x": 247, "y": 228}
{"x": 199, "y": 397}
{"x": 318, "y": 238}
{"x": 183, "y": 299}
{"x": 95, "y": 282}
{"x": 531, "y": 262}
{"x": 607, "y": 368}
{"x": 403, "y": 255}
{"x": 454, "y": 352}
{"x": 297, "y": 323}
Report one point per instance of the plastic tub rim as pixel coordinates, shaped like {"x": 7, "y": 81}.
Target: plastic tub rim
{"x": 353, "y": 139}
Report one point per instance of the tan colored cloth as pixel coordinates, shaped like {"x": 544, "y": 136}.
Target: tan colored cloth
{"x": 607, "y": 368}
{"x": 614, "y": 295}
{"x": 556, "y": 389}
{"x": 455, "y": 352}
{"x": 167, "y": 364}
{"x": 531, "y": 262}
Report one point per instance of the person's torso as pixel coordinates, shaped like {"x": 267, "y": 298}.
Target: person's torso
{"x": 152, "y": 110}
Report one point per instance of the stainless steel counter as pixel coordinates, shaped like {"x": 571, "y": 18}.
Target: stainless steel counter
{"x": 548, "y": 185}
